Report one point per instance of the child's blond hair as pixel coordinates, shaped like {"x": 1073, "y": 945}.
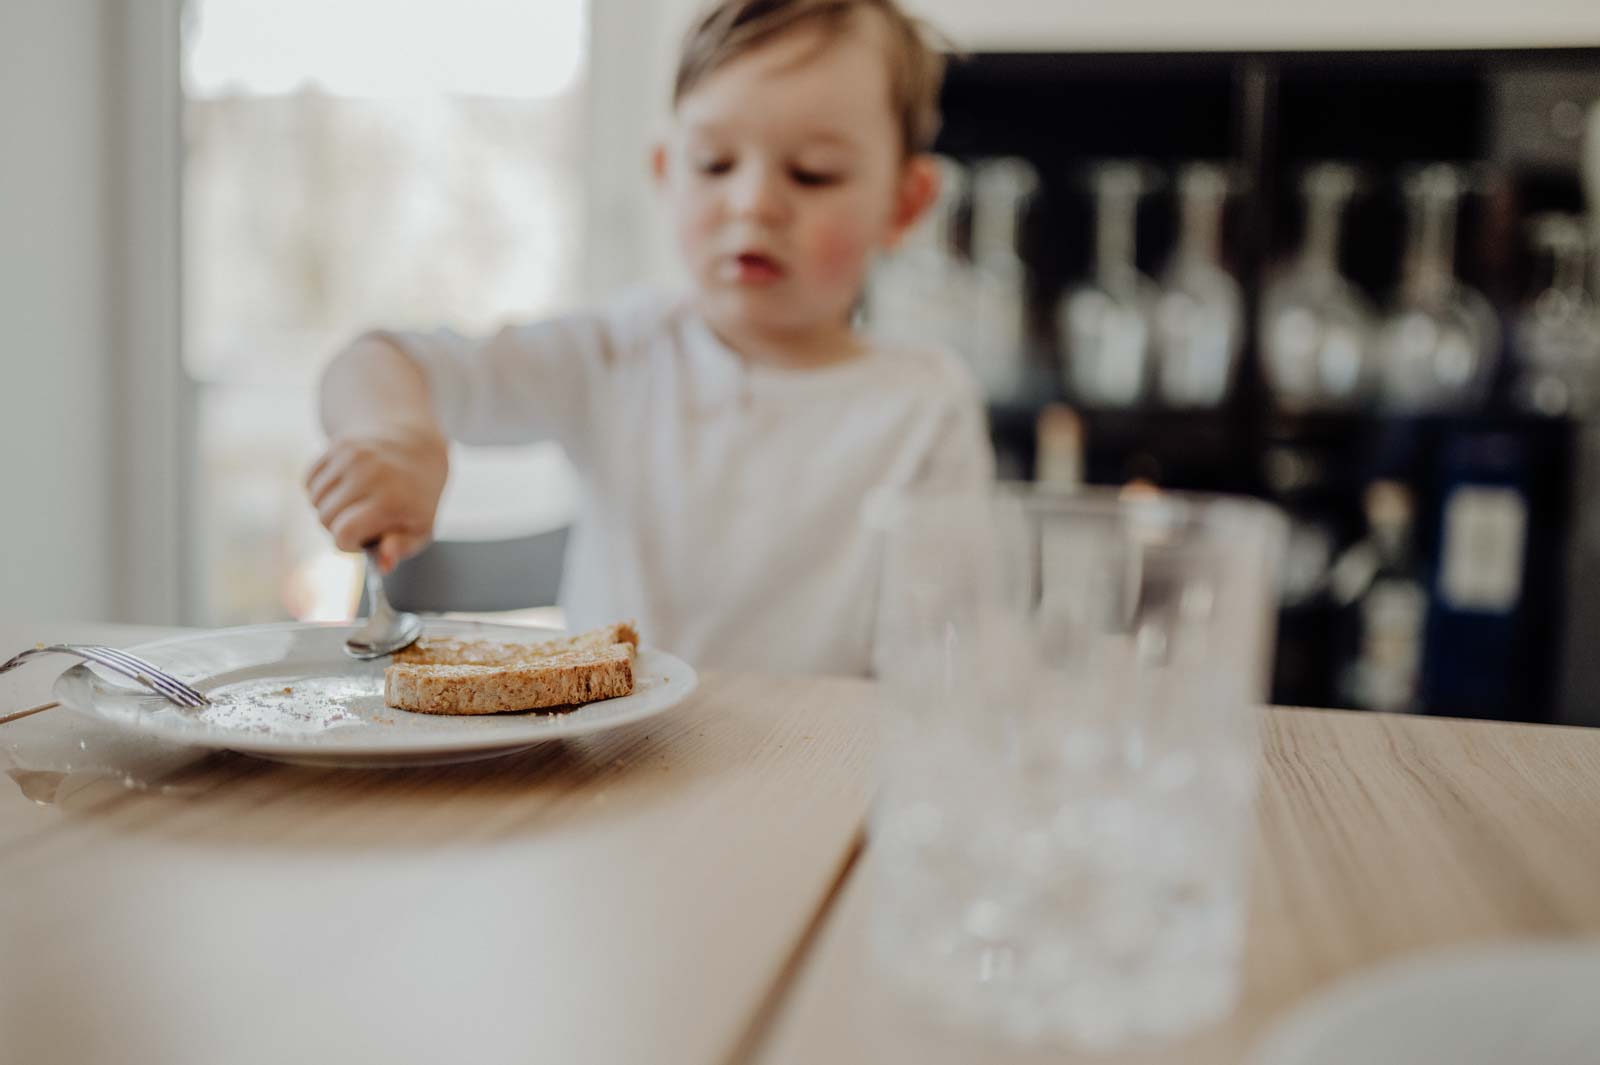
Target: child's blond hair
{"x": 730, "y": 28}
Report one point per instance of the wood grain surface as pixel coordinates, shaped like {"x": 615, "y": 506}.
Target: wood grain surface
{"x": 1379, "y": 836}
{"x": 676, "y": 891}
{"x": 630, "y": 896}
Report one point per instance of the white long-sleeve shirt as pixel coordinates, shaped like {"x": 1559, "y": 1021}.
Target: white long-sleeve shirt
{"x": 721, "y": 504}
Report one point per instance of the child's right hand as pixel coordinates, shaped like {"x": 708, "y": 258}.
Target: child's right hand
{"x": 382, "y": 486}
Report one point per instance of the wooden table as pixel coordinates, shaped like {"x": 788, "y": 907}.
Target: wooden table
{"x": 630, "y": 897}
{"x": 680, "y": 891}
{"x": 1378, "y": 836}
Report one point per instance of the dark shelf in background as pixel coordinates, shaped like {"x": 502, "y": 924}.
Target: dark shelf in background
{"x": 1267, "y": 115}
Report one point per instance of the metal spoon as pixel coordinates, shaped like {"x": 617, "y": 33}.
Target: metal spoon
{"x": 387, "y": 630}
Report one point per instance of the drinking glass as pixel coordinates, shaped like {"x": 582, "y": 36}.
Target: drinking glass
{"x": 1106, "y": 322}
{"x": 923, "y": 294}
{"x": 1200, "y": 315}
{"x": 1437, "y": 347}
{"x": 1317, "y": 328}
{"x": 1558, "y": 331}
{"x": 1068, "y": 756}
{"x": 1002, "y": 190}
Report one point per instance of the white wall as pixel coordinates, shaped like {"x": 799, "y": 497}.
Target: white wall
{"x": 1243, "y": 25}
{"x": 91, "y": 414}
{"x": 56, "y": 521}
{"x": 633, "y": 50}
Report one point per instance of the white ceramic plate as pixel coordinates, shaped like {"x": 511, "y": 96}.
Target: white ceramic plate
{"x": 1527, "y": 1005}
{"x": 288, "y": 692}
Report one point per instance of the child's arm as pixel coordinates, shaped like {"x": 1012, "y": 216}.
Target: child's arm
{"x": 961, "y": 456}
{"x": 392, "y": 400}
{"x": 387, "y": 458}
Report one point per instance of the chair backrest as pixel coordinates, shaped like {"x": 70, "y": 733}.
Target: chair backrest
{"x": 480, "y": 575}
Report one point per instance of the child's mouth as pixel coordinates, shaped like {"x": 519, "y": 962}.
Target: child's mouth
{"x": 753, "y": 268}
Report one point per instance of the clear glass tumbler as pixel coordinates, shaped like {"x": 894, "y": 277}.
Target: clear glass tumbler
{"x": 1068, "y": 756}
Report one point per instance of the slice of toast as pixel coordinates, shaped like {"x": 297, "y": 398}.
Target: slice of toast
{"x": 561, "y": 680}
{"x": 451, "y": 651}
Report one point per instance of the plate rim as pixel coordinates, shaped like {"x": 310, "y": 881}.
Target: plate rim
{"x": 685, "y": 680}
{"x": 1305, "y": 1026}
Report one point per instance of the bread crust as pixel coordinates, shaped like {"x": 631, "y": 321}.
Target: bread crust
{"x": 447, "y": 675}
{"x": 558, "y": 681}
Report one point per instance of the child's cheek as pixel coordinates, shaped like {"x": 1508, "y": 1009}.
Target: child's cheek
{"x": 839, "y": 250}
{"x": 697, "y": 223}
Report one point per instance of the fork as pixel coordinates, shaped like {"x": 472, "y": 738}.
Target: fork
{"x": 130, "y": 666}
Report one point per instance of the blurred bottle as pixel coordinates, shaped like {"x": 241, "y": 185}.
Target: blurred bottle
{"x": 1557, "y": 334}
{"x": 1106, "y": 322}
{"x": 1305, "y": 670}
{"x": 1002, "y": 190}
{"x": 1200, "y": 315}
{"x": 1059, "y": 458}
{"x": 1483, "y": 656}
{"x": 1437, "y": 347}
{"x": 922, "y": 293}
{"x": 1307, "y": 560}
{"x": 1379, "y": 577}
{"x": 1317, "y": 329}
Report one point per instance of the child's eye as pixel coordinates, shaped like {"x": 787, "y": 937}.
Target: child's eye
{"x": 715, "y": 166}
{"x": 813, "y": 178}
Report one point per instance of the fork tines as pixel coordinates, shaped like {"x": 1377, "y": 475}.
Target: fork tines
{"x": 120, "y": 662}
{"x": 145, "y": 673}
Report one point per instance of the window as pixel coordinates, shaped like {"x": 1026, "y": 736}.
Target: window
{"x": 349, "y": 165}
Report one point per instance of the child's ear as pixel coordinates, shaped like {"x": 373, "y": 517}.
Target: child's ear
{"x": 919, "y": 188}
{"x": 658, "y": 161}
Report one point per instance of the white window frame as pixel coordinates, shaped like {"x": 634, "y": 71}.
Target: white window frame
{"x": 154, "y": 409}
{"x": 155, "y": 416}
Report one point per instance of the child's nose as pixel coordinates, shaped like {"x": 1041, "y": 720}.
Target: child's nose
{"x": 759, "y": 195}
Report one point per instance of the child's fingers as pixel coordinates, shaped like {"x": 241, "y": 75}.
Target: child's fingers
{"x": 388, "y": 553}
{"x": 341, "y": 462}
{"x": 339, "y": 497}
{"x": 358, "y": 524}
{"x": 316, "y": 471}
{"x": 396, "y": 547}
{"x": 328, "y": 483}
{"x": 322, "y": 480}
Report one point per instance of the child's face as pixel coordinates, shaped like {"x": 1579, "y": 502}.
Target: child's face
{"x": 785, "y": 174}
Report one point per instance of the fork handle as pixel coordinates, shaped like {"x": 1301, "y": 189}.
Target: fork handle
{"x": 17, "y": 659}
{"x": 122, "y": 663}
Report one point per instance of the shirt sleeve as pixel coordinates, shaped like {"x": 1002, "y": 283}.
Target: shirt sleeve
{"x": 960, "y": 455}
{"x": 522, "y": 384}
